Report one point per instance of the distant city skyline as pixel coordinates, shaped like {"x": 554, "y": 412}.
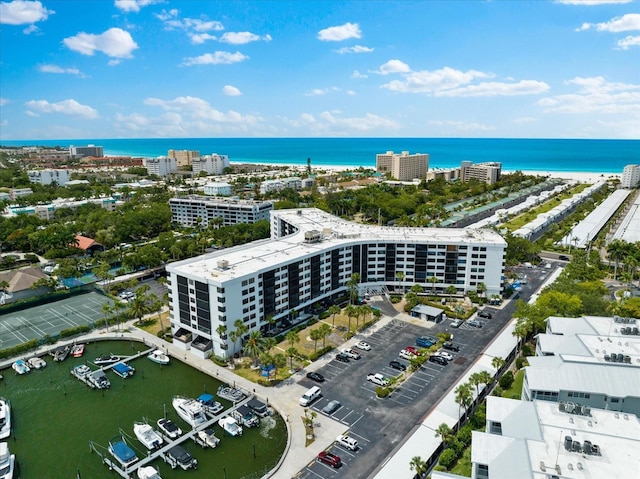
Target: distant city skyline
{"x": 180, "y": 69}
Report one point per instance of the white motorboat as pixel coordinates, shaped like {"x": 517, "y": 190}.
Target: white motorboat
{"x": 107, "y": 359}
{"x": 7, "y": 461}
{"x": 148, "y": 472}
{"x": 230, "y": 394}
{"x": 36, "y": 363}
{"x": 230, "y": 426}
{"x": 147, "y": 436}
{"x": 21, "y": 367}
{"x": 169, "y": 428}
{"x": 208, "y": 437}
{"x": 190, "y": 410}
{"x": 159, "y": 357}
{"x": 211, "y": 406}
{"x": 5, "y": 418}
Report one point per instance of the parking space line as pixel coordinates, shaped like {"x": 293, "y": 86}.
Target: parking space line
{"x": 356, "y": 421}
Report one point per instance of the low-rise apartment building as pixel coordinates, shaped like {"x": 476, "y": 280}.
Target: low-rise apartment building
{"x": 218, "y": 188}
{"x": 488, "y": 172}
{"x": 48, "y": 176}
{"x": 194, "y": 209}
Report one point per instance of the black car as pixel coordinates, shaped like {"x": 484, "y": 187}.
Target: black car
{"x": 317, "y": 377}
{"x": 439, "y": 360}
{"x": 398, "y": 365}
{"x": 563, "y": 258}
{"x": 485, "y": 314}
{"x": 342, "y": 357}
{"x": 450, "y": 346}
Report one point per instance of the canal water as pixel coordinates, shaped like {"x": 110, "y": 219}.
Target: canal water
{"x": 55, "y": 418}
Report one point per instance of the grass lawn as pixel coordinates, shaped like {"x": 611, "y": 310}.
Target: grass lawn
{"x": 463, "y": 466}
{"x": 515, "y": 391}
{"x": 153, "y": 325}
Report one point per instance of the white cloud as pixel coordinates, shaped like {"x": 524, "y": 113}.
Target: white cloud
{"x": 328, "y": 122}
{"x": 133, "y": 5}
{"x": 351, "y": 92}
{"x": 434, "y": 81}
{"x": 198, "y": 111}
{"x": 592, "y": 2}
{"x": 523, "y": 87}
{"x": 4, "y": 101}
{"x": 339, "y": 33}
{"x": 115, "y": 43}
{"x": 198, "y": 38}
{"x": 625, "y": 23}
{"x": 357, "y": 74}
{"x": 393, "y": 66}
{"x": 67, "y": 107}
{"x": 197, "y": 29}
{"x": 321, "y": 91}
{"x": 240, "y": 38}
{"x": 462, "y": 125}
{"x": 22, "y": 12}
{"x": 354, "y": 49}
{"x": 231, "y": 91}
{"x": 595, "y": 94}
{"x": 215, "y": 58}
{"x": 30, "y": 29}
{"x": 57, "y": 69}
{"x": 629, "y": 41}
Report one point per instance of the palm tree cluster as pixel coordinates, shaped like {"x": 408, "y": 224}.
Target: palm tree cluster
{"x": 627, "y": 253}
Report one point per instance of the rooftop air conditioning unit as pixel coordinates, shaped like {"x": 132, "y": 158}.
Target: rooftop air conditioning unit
{"x": 223, "y": 264}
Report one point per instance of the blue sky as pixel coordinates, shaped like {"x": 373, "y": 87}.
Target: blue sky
{"x": 73, "y": 69}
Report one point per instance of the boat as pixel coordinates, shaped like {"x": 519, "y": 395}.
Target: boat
{"x": 179, "y": 456}
{"x": 7, "y": 461}
{"x": 208, "y": 437}
{"x": 122, "y": 452}
{"x": 123, "y": 370}
{"x": 36, "y": 362}
{"x": 77, "y": 350}
{"x": 258, "y": 407}
{"x": 169, "y": 428}
{"x": 81, "y": 372}
{"x": 147, "y": 436}
{"x": 245, "y": 417}
{"x": 61, "y": 353}
{"x": 148, "y": 472}
{"x": 107, "y": 359}
{"x": 230, "y": 426}
{"x": 230, "y": 394}
{"x": 190, "y": 410}
{"x": 21, "y": 367}
{"x": 210, "y": 406}
{"x": 5, "y": 418}
{"x": 99, "y": 379}
{"x": 159, "y": 357}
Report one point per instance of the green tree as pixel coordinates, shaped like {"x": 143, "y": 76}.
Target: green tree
{"x": 333, "y": 310}
{"x": 254, "y": 345}
{"x": 352, "y": 287}
{"x": 463, "y": 397}
{"x": 451, "y": 290}
{"x": 617, "y": 250}
{"x": 315, "y": 335}
{"x": 240, "y": 330}
{"x": 292, "y": 338}
{"x": 445, "y": 432}
{"x": 325, "y": 330}
{"x": 140, "y": 306}
{"x": 433, "y": 280}
{"x": 498, "y": 363}
{"x": 351, "y": 311}
{"x": 419, "y": 465}
{"x": 291, "y": 353}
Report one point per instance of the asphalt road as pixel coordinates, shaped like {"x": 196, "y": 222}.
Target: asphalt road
{"x": 379, "y": 425}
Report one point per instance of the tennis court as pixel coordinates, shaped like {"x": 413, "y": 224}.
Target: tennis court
{"x": 34, "y": 323}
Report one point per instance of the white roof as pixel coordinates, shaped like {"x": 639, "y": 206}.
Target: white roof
{"x": 629, "y": 230}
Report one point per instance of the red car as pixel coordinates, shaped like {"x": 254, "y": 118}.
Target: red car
{"x": 413, "y": 350}
{"x": 329, "y": 459}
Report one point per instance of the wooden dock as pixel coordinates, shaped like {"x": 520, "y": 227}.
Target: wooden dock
{"x": 128, "y": 358}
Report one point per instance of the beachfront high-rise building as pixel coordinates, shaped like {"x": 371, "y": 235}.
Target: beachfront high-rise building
{"x": 310, "y": 260}
{"x": 160, "y": 166}
{"x": 183, "y": 157}
{"x": 213, "y": 164}
{"x": 403, "y": 166}
{"x": 488, "y": 172}
{"x": 82, "y": 151}
{"x": 630, "y": 176}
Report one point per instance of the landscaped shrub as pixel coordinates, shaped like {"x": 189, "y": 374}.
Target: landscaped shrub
{"x": 448, "y": 458}
{"x": 521, "y": 362}
{"x": 320, "y": 352}
{"x": 527, "y": 350}
{"x": 324, "y": 315}
{"x": 19, "y": 349}
{"x": 382, "y": 392}
{"x": 506, "y": 380}
{"x": 65, "y": 333}
{"x": 464, "y": 435}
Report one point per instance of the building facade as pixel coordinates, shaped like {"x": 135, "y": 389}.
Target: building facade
{"x": 403, "y": 166}
{"x": 309, "y": 260}
{"x": 218, "y": 188}
{"x": 183, "y": 157}
{"x": 46, "y": 177}
{"x": 161, "y": 166}
{"x": 211, "y": 164}
{"x": 630, "y": 176}
{"x": 89, "y": 150}
{"x": 488, "y": 172}
{"x": 194, "y": 209}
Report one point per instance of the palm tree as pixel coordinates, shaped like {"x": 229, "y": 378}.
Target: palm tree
{"x": 325, "y": 330}
{"x": 497, "y": 362}
{"x": 463, "y": 397}
{"x": 352, "y": 312}
{"x": 485, "y": 377}
{"x": 292, "y": 338}
{"x": 221, "y": 330}
{"x": 352, "y": 286}
{"x": 270, "y": 320}
{"x": 233, "y": 336}
{"x": 333, "y": 310}
{"x": 106, "y": 310}
{"x": 418, "y": 465}
{"x": 475, "y": 380}
{"x": 315, "y": 335}
{"x": 240, "y": 329}
{"x": 451, "y": 290}
{"x": 140, "y": 306}
{"x": 291, "y": 352}
{"x": 444, "y": 431}
{"x": 254, "y": 345}
{"x": 616, "y": 250}
{"x": 400, "y": 277}
{"x": 481, "y": 288}
{"x": 632, "y": 263}
{"x": 433, "y": 280}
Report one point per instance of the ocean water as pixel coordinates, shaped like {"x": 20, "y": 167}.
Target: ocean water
{"x": 607, "y": 156}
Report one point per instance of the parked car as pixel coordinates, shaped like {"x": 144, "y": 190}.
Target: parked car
{"x": 377, "y": 379}
{"x": 331, "y": 407}
{"x": 317, "y": 377}
{"x": 363, "y": 345}
{"x": 351, "y": 353}
{"x": 475, "y": 323}
{"x": 404, "y": 354}
{"x": 397, "y": 365}
{"x": 456, "y": 323}
{"x": 348, "y": 442}
{"x": 329, "y": 459}
{"x": 450, "y": 346}
{"x": 563, "y": 258}
{"x": 426, "y": 341}
{"x": 343, "y": 358}
{"x": 438, "y": 359}
{"x": 444, "y": 354}
{"x": 485, "y": 314}
{"x": 413, "y": 350}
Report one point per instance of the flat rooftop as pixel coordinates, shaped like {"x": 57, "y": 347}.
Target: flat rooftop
{"x": 629, "y": 230}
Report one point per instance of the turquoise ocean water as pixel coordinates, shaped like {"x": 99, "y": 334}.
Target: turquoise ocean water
{"x": 609, "y": 156}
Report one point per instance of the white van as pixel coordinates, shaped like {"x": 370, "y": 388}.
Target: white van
{"x": 310, "y": 396}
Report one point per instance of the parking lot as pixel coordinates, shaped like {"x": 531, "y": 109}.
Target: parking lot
{"x": 379, "y": 425}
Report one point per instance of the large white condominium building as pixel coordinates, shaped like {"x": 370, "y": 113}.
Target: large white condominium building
{"x": 89, "y": 150}
{"x": 541, "y": 440}
{"x": 630, "y": 176}
{"x": 161, "y": 166}
{"x": 403, "y": 166}
{"x": 46, "y": 177}
{"x": 218, "y": 188}
{"x": 183, "y": 157}
{"x": 194, "y": 209}
{"x": 487, "y": 172}
{"x": 309, "y": 260}
{"x": 211, "y": 164}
